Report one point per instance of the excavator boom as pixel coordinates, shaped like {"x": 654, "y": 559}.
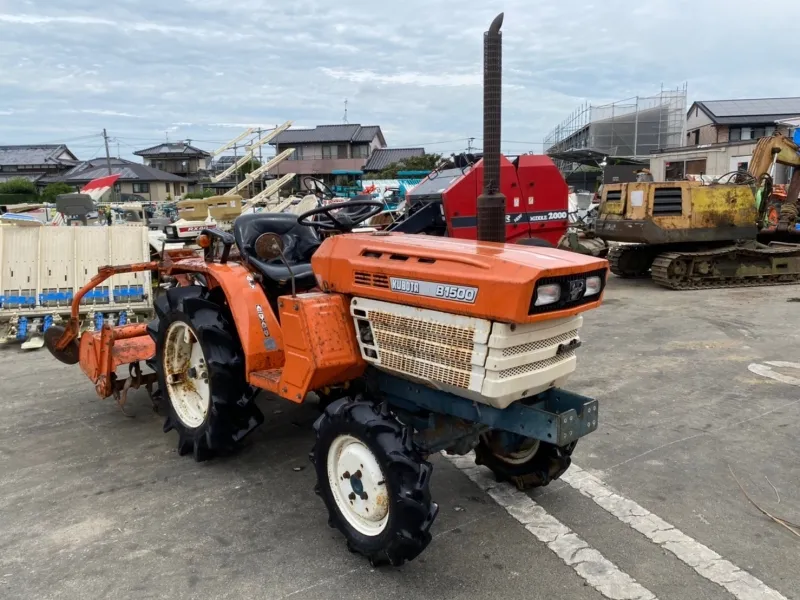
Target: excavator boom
{"x": 779, "y": 149}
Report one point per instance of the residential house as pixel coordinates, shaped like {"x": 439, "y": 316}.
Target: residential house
{"x": 178, "y": 158}
{"x": 33, "y": 162}
{"x": 143, "y": 180}
{"x": 327, "y": 148}
{"x": 383, "y": 157}
{"x": 721, "y": 136}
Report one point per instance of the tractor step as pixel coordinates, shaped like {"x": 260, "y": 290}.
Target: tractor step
{"x": 268, "y": 379}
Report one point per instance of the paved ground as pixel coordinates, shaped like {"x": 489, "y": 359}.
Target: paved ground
{"x": 96, "y": 505}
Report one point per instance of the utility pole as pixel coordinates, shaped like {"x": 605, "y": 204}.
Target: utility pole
{"x": 118, "y": 152}
{"x": 469, "y": 145}
{"x": 108, "y": 156}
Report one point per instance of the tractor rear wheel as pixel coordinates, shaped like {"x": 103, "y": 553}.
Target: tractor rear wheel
{"x": 533, "y": 464}
{"x": 375, "y": 486}
{"x": 200, "y": 370}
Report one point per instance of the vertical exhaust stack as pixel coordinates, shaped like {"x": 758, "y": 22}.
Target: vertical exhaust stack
{"x": 491, "y": 203}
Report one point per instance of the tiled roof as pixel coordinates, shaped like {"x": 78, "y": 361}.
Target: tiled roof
{"x": 329, "y": 133}
{"x": 763, "y": 110}
{"x": 383, "y": 157}
{"x": 172, "y": 148}
{"x": 32, "y": 155}
{"x": 127, "y": 170}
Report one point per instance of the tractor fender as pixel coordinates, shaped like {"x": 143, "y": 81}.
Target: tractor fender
{"x": 256, "y": 323}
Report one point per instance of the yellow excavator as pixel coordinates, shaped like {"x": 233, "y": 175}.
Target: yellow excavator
{"x": 692, "y": 235}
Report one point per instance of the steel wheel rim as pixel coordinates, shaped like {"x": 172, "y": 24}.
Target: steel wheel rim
{"x": 186, "y": 375}
{"x": 520, "y": 456}
{"x": 358, "y": 485}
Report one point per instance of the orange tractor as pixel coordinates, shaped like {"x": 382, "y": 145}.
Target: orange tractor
{"x": 414, "y": 345}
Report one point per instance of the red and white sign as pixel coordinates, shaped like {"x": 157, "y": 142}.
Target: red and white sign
{"x": 97, "y": 188}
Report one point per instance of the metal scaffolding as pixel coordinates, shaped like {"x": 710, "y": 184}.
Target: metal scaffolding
{"x": 634, "y": 127}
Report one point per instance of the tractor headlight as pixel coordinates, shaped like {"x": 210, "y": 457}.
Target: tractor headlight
{"x": 170, "y": 231}
{"x": 548, "y": 293}
{"x": 593, "y": 285}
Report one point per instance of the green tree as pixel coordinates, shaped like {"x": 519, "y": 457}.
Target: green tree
{"x": 425, "y": 162}
{"x": 54, "y": 189}
{"x": 248, "y": 167}
{"x": 18, "y": 185}
{"x": 207, "y": 193}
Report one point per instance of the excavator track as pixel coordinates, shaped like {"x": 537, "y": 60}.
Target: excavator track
{"x": 631, "y": 261}
{"x": 732, "y": 266}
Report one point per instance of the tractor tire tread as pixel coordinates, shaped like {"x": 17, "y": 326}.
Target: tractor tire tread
{"x": 407, "y": 474}
{"x": 232, "y": 413}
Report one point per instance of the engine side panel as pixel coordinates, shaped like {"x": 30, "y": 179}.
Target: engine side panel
{"x": 676, "y": 212}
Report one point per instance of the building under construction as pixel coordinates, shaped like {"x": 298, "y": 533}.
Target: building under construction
{"x": 631, "y": 128}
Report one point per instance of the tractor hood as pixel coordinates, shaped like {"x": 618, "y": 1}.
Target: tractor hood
{"x": 481, "y": 279}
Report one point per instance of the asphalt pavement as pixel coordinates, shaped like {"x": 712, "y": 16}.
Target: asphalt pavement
{"x": 692, "y": 387}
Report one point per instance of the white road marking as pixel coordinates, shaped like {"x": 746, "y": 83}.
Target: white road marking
{"x": 765, "y": 370}
{"x": 702, "y": 559}
{"x": 587, "y": 562}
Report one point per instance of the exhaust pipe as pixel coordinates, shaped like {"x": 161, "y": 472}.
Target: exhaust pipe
{"x": 491, "y": 207}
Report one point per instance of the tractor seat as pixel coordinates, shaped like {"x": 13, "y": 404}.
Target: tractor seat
{"x": 299, "y": 242}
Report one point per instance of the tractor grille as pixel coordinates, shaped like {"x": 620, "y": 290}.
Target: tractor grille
{"x": 536, "y": 366}
{"x": 425, "y": 370}
{"x": 378, "y": 280}
{"x": 541, "y": 344}
{"x": 492, "y": 363}
{"x": 457, "y": 358}
{"x": 422, "y": 329}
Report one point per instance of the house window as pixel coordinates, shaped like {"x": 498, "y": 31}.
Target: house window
{"x": 770, "y": 130}
{"x": 747, "y": 133}
{"x": 360, "y": 151}
{"x": 141, "y": 188}
{"x": 735, "y": 134}
{"x": 696, "y": 137}
{"x": 296, "y": 155}
{"x": 695, "y": 167}
{"x": 342, "y": 151}
{"x": 328, "y": 152}
{"x": 759, "y": 132}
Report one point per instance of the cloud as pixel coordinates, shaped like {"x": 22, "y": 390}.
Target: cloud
{"x": 107, "y": 113}
{"x": 208, "y": 69}
{"x": 417, "y": 79}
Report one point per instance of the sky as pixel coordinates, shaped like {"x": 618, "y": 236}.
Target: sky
{"x": 206, "y": 69}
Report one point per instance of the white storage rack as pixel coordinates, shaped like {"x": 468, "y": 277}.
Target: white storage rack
{"x": 42, "y": 268}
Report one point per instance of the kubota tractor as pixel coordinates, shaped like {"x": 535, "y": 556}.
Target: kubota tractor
{"x": 415, "y": 345}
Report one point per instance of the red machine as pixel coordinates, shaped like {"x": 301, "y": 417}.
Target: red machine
{"x": 445, "y": 203}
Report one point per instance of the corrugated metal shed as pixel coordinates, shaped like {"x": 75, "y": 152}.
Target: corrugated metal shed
{"x": 31, "y": 155}
{"x": 383, "y": 157}
{"x": 321, "y": 134}
{"x": 743, "y": 112}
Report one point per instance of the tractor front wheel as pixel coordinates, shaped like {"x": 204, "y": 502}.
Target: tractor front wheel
{"x": 531, "y": 464}
{"x": 375, "y": 486}
{"x": 200, "y": 370}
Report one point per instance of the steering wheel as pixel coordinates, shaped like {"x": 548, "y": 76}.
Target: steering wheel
{"x": 318, "y": 186}
{"x": 337, "y": 217}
